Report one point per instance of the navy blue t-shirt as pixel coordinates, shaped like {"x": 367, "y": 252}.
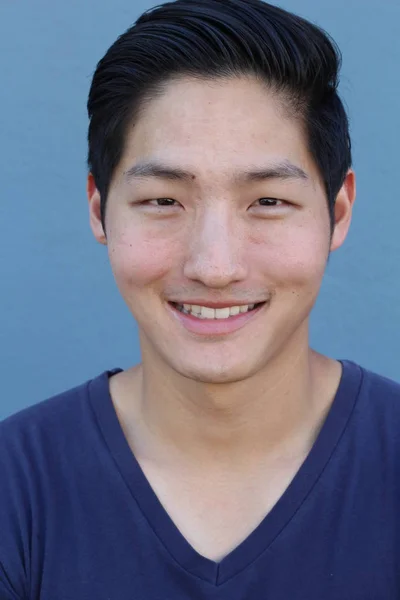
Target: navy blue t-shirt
{"x": 79, "y": 520}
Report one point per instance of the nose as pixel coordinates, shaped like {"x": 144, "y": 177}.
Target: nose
{"x": 215, "y": 257}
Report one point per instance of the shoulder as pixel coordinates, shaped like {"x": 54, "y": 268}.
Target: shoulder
{"x": 41, "y": 447}
{"x": 369, "y": 383}
{"x": 377, "y": 405}
{"x": 55, "y": 413}
{"x": 379, "y": 384}
{"x": 49, "y": 416}
{"x": 44, "y": 432}
{"x": 380, "y": 391}
{"x": 32, "y": 436}
{"x": 29, "y": 441}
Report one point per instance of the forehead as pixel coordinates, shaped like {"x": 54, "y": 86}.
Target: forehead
{"x": 220, "y": 124}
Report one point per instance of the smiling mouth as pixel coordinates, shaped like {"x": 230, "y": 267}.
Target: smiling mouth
{"x": 206, "y": 312}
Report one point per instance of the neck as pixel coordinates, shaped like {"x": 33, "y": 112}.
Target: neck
{"x": 280, "y": 407}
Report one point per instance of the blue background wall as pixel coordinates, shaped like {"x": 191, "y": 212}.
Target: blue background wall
{"x": 62, "y": 320}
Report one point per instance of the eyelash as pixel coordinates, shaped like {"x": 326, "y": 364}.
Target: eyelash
{"x": 282, "y": 202}
{"x": 158, "y": 200}
{"x": 274, "y": 200}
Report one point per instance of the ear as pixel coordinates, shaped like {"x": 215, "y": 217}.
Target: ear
{"x": 96, "y": 225}
{"x": 343, "y": 210}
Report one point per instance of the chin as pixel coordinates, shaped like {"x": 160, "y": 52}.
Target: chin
{"x": 216, "y": 373}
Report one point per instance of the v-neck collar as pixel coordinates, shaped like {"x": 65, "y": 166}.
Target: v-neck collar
{"x": 273, "y": 523}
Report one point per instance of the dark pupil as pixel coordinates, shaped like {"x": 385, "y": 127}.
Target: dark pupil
{"x": 267, "y": 201}
{"x": 165, "y": 201}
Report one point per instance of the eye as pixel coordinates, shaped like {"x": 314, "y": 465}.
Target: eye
{"x": 162, "y": 202}
{"x": 270, "y": 208}
{"x": 273, "y": 202}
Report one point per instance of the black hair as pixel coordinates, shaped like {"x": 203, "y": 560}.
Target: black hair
{"x": 220, "y": 38}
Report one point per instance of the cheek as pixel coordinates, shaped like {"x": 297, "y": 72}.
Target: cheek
{"x": 138, "y": 260}
{"x": 293, "y": 257}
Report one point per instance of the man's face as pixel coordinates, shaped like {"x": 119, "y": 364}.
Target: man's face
{"x": 217, "y": 203}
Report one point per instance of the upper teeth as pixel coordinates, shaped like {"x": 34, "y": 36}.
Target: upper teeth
{"x": 205, "y": 312}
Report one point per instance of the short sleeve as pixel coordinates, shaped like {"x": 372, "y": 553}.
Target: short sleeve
{"x": 14, "y": 515}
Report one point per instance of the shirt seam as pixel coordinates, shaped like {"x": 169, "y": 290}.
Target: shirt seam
{"x": 268, "y": 548}
{"x": 212, "y": 583}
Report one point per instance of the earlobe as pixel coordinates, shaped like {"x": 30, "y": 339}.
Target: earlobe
{"x": 96, "y": 225}
{"x": 343, "y": 210}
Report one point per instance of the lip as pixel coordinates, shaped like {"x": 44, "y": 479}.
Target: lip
{"x": 215, "y": 326}
{"x": 209, "y": 304}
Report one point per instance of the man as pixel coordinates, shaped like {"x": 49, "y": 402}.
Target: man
{"x": 234, "y": 462}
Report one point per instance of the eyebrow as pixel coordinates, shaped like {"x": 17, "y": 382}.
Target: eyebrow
{"x": 154, "y": 169}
